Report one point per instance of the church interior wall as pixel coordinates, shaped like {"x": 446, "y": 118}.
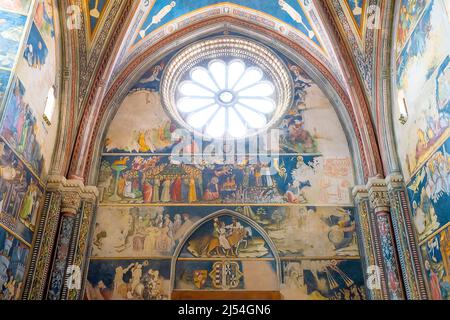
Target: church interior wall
{"x": 149, "y": 202}
{"x": 28, "y": 70}
{"x": 422, "y": 67}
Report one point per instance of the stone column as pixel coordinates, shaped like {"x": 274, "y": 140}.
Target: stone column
{"x": 62, "y": 238}
{"x": 70, "y": 205}
{"x": 82, "y": 244}
{"x": 45, "y": 236}
{"x": 369, "y": 247}
{"x": 379, "y": 201}
{"x": 407, "y": 248}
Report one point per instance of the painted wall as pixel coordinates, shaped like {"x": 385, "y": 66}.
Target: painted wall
{"x": 423, "y": 79}
{"x": 28, "y": 64}
{"x": 155, "y": 229}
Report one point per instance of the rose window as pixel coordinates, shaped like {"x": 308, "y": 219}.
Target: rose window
{"x": 226, "y": 88}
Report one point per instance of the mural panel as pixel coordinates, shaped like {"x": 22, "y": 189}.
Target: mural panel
{"x": 323, "y": 280}
{"x": 19, "y": 6}
{"x": 429, "y": 193}
{"x": 436, "y": 254}
{"x": 289, "y": 11}
{"x": 410, "y": 13}
{"x": 13, "y": 259}
{"x": 157, "y": 186}
{"x": 283, "y": 179}
{"x": 229, "y": 274}
{"x": 423, "y": 81}
{"x": 128, "y": 280}
{"x": 96, "y": 10}
{"x": 4, "y": 79}
{"x": 11, "y": 29}
{"x": 23, "y": 124}
{"x": 128, "y": 231}
{"x": 21, "y": 195}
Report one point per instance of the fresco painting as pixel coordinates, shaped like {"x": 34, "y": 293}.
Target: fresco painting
{"x": 226, "y": 274}
{"x": 96, "y": 10}
{"x": 422, "y": 80}
{"x": 429, "y": 193}
{"x": 11, "y": 30}
{"x": 19, "y": 6}
{"x": 357, "y": 10}
{"x": 21, "y": 195}
{"x": 288, "y": 11}
{"x": 436, "y": 255}
{"x": 36, "y": 74}
{"x": 302, "y": 129}
{"x": 4, "y": 79}
{"x": 159, "y": 191}
{"x": 225, "y": 236}
{"x": 323, "y": 280}
{"x": 43, "y": 19}
{"x": 284, "y": 179}
{"x": 152, "y": 128}
{"x": 128, "y": 231}
{"x": 410, "y": 13}
{"x": 19, "y": 127}
{"x": 140, "y": 279}
{"x": 13, "y": 260}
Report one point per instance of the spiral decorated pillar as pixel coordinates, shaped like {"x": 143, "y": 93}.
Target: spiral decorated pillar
{"x": 58, "y": 261}
{"x": 369, "y": 244}
{"x": 405, "y": 238}
{"x": 379, "y": 203}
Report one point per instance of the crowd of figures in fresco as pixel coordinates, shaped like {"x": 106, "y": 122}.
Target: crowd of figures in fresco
{"x": 24, "y": 159}
{"x": 285, "y": 179}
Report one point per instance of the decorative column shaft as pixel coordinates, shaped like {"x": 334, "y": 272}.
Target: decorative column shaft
{"x": 369, "y": 246}
{"x": 37, "y": 274}
{"x": 61, "y": 247}
{"x": 409, "y": 255}
{"x": 379, "y": 201}
{"x": 71, "y": 202}
{"x": 81, "y": 246}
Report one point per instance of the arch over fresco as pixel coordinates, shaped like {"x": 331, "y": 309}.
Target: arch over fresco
{"x": 358, "y": 134}
{"x": 202, "y": 222}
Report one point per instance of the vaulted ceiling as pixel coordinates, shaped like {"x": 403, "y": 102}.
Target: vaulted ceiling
{"x": 113, "y": 36}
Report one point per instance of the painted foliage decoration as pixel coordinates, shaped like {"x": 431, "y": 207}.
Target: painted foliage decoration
{"x": 161, "y": 193}
{"x": 24, "y": 158}
{"x": 423, "y": 86}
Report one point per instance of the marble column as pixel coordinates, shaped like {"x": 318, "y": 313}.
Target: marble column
{"x": 379, "y": 203}
{"x": 44, "y": 244}
{"x": 82, "y": 243}
{"x": 369, "y": 247}
{"x": 60, "y": 252}
{"x": 70, "y": 206}
{"x": 407, "y": 248}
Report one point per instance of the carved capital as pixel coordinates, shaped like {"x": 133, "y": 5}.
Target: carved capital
{"x": 395, "y": 182}
{"x": 90, "y": 194}
{"x": 378, "y": 194}
{"x": 360, "y": 193}
{"x": 71, "y": 201}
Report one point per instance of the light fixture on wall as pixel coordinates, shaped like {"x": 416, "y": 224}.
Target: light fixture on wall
{"x": 49, "y": 106}
{"x": 402, "y": 107}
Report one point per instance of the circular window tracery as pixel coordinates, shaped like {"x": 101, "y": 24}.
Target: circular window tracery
{"x": 226, "y": 88}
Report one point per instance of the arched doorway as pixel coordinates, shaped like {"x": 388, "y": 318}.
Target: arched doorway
{"x": 226, "y": 255}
